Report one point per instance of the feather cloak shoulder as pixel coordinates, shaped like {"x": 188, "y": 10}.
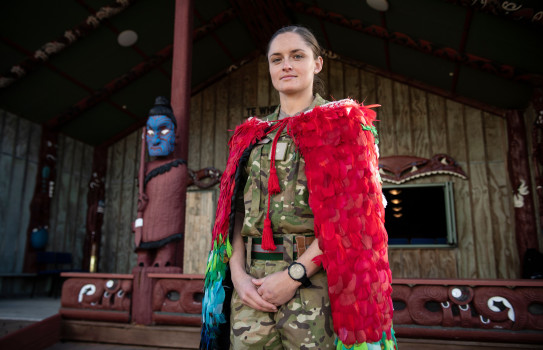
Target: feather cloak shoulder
{"x": 337, "y": 141}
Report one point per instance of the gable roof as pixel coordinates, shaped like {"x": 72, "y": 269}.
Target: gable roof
{"x": 60, "y": 62}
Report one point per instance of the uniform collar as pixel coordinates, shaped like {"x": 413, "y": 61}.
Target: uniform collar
{"x": 317, "y": 101}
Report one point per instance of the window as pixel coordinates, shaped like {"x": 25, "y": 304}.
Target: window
{"x": 420, "y": 215}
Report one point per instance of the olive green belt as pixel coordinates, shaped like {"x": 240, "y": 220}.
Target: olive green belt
{"x": 300, "y": 244}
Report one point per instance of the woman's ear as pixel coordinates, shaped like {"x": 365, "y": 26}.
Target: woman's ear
{"x": 318, "y": 64}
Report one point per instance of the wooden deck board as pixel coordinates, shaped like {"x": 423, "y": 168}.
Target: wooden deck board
{"x": 177, "y": 337}
{"x": 432, "y": 344}
{"x": 106, "y": 336}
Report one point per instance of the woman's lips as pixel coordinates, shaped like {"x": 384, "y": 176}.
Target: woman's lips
{"x": 288, "y": 77}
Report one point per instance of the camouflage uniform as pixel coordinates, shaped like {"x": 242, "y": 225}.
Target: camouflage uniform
{"x": 305, "y": 322}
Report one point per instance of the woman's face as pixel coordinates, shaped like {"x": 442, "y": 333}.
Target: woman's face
{"x": 292, "y": 64}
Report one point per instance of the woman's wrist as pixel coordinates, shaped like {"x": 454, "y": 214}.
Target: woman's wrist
{"x": 290, "y": 281}
{"x": 237, "y": 274}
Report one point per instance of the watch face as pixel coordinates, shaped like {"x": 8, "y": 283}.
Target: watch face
{"x": 296, "y": 271}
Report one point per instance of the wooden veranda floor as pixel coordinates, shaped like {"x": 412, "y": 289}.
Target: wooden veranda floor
{"x": 79, "y": 335}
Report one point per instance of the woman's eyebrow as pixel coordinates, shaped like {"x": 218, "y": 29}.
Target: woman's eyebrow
{"x": 291, "y": 51}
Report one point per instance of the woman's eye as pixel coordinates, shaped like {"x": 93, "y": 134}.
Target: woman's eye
{"x": 276, "y": 60}
{"x": 298, "y": 57}
{"x": 164, "y": 131}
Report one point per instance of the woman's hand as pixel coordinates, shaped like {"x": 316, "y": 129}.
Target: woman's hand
{"x": 277, "y": 288}
{"x": 248, "y": 293}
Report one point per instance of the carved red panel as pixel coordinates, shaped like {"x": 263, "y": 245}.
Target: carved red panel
{"x": 499, "y": 310}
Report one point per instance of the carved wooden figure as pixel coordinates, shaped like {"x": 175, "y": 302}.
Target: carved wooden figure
{"x": 159, "y": 227}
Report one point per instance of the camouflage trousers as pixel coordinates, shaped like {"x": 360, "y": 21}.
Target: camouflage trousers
{"x": 305, "y": 322}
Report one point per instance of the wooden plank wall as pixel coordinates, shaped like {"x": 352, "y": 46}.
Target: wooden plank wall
{"x": 19, "y": 150}
{"x": 69, "y": 203}
{"x": 412, "y": 122}
{"x": 117, "y": 246}
{"x": 200, "y": 215}
{"x": 530, "y": 119}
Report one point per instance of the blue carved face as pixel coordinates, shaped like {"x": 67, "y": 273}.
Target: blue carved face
{"x": 160, "y": 136}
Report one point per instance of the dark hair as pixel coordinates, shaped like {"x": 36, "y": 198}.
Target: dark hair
{"x": 308, "y": 37}
{"x": 162, "y": 107}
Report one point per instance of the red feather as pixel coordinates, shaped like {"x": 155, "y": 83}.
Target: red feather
{"x": 346, "y": 199}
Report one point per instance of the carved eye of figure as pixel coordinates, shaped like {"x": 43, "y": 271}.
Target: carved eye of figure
{"x": 150, "y": 132}
{"x": 164, "y": 131}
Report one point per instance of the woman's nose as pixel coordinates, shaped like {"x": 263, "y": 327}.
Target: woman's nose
{"x": 286, "y": 65}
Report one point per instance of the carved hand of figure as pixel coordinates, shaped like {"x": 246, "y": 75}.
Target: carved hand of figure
{"x": 143, "y": 199}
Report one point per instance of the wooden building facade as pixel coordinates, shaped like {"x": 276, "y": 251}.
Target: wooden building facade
{"x": 411, "y": 122}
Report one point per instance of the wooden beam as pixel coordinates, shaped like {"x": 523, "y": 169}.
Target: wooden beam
{"x": 387, "y": 43}
{"x": 518, "y": 11}
{"x": 55, "y": 46}
{"x": 116, "y": 31}
{"x": 417, "y": 84}
{"x": 462, "y": 48}
{"x": 216, "y": 38}
{"x": 135, "y": 73}
{"x": 180, "y": 92}
{"x": 68, "y": 77}
{"x": 424, "y": 46}
{"x": 195, "y": 90}
{"x": 115, "y": 85}
{"x": 40, "y": 335}
{"x": 262, "y": 18}
{"x": 234, "y": 67}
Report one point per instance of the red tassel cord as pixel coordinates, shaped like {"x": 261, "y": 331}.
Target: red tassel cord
{"x": 273, "y": 188}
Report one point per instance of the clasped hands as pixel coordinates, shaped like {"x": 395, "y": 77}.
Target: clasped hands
{"x": 267, "y": 293}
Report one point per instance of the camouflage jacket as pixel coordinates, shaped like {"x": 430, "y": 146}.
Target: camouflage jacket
{"x": 289, "y": 210}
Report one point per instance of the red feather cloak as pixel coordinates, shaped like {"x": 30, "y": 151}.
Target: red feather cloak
{"x": 337, "y": 141}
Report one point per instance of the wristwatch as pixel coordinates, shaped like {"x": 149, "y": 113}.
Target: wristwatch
{"x": 296, "y": 271}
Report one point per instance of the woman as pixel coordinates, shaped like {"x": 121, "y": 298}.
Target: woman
{"x": 309, "y": 170}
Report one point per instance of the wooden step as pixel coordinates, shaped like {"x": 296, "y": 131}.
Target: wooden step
{"x": 177, "y": 337}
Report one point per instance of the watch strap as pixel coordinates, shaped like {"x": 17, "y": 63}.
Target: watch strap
{"x": 304, "y": 280}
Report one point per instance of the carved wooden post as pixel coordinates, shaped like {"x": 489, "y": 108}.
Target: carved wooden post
{"x": 537, "y": 148}
{"x": 43, "y": 192}
{"x": 180, "y": 93}
{"x": 95, "y": 210}
{"x": 180, "y": 101}
{"x": 519, "y": 174}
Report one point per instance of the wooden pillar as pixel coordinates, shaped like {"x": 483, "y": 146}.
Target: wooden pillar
{"x": 181, "y": 83}
{"x": 537, "y": 149}
{"x": 43, "y": 192}
{"x": 142, "y": 311}
{"x": 96, "y": 196}
{"x": 519, "y": 174}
